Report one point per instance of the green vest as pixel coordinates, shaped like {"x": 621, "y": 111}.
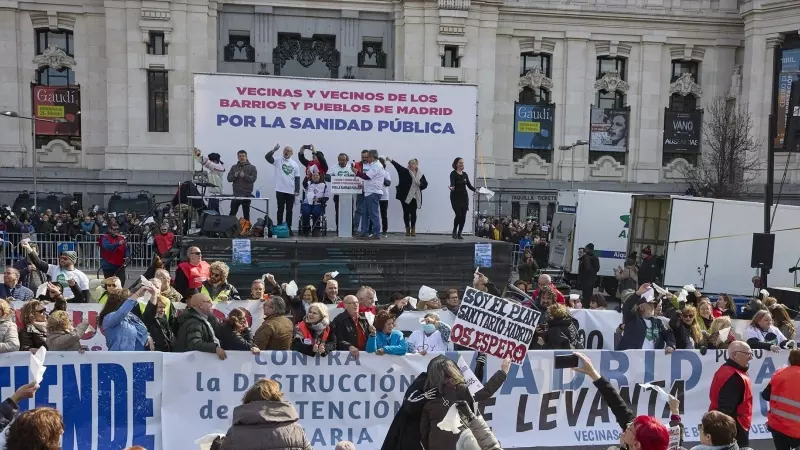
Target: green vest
{"x": 222, "y": 293}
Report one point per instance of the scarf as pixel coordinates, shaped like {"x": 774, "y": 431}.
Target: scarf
{"x": 414, "y": 193}
{"x": 319, "y": 326}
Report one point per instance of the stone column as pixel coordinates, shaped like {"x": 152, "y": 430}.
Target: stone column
{"x": 646, "y": 156}
{"x": 505, "y": 94}
{"x": 411, "y": 44}
{"x": 757, "y": 86}
{"x": 485, "y": 53}
{"x": 265, "y": 35}
{"x": 15, "y": 134}
{"x": 116, "y": 35}
{"x": 575, "y": 112}
{"x": 349, "y": 42}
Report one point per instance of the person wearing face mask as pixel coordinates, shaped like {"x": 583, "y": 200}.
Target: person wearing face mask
{"x": 433, "y": 336}
{"x": 639, "y": 432}
{"x": 731, "y": 390}
{"x": 642, "y": 330}
{"x": 311, "y": 334}
{"x": 287, "y": 182}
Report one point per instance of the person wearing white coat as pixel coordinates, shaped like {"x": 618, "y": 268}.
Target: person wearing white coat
{"x": 387, "y": 181}
{"x": 314, "y": 204}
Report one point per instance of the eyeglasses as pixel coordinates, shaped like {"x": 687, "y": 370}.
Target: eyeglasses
{"x": 690, "y": 316}
{"x": 196, "y": 253}
{"x": 749, "y": 354}
{"x": 41, "y": 311}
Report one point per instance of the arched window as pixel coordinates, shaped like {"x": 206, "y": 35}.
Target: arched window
{"x": 616, "y": 99}
{"x": 678, "y": 102}
{"x": 63, "y": 40}
{"x": 529, "y": 61}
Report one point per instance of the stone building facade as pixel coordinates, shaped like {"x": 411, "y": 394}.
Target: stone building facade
{"x": 134, "y": 61}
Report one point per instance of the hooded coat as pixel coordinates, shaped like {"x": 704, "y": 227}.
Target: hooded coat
{"x": 404, "y": 432}
{"x": 266, "y": 425}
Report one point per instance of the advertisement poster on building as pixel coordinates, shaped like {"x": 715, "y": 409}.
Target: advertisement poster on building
{"x": 682, "y": 132}
{"x": 533, "y": 127}
{"x": 608, "y": 130}
{"x": 790, "y": 64}
{"x": 59, "y": 107}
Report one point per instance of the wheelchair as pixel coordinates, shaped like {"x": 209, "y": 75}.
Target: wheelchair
{"x": 317, "y": 227}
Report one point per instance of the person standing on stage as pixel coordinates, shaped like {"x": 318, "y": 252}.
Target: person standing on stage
{"x": 373, "y": 175}
{"x": 342, "y": 169}
{"x": 242, "y": 176}
{"x": 359, "y": 197}
{"x": 317, "y": 160}
{"x": 287, "y": 182}
{"x": 384, "y": 203}
{"x": 410, "y": 184}
{"x": 732, "y": 391}
{"x": 459, "y": 199}
{"x": 214, "y": 168}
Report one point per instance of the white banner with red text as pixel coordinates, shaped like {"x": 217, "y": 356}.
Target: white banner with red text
{"x": 167, "y": 401}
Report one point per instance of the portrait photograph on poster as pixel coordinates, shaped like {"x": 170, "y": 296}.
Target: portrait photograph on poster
{"x": 608, "y": 130}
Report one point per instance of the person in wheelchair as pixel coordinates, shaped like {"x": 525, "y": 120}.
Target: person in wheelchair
{"x": 313, "y": 206}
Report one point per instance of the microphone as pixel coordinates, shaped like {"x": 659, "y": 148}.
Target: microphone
{"x": 794, "y": 269}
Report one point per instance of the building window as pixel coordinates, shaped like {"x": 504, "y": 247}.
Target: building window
{"x": 683, "y": 103}
{"x": 528, "y": 62}
{"x": 372, "y": 55}
{"x": 156, "y": 45}
{"x": 157, "y": 101}
{"x": 450, "y": 57}
{"x": 605, "y": 99}
{"x": 239, "y": 48}
{"x": 62, "y": 39}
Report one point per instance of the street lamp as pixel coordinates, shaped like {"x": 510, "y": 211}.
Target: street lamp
{"x": 15, "y": 115}
{"x": 572, "y": 160}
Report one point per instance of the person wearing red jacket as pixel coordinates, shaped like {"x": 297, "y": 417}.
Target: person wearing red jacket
{"x": 192, "y": 273}
{"x": 163, "y": 240}
{"x": 731, "y": 390}
{"x": 783, "y": 395}
{"x": 366, "y": 300}
{"x": 544, "y": 280}
{"x": 113, "y": 251}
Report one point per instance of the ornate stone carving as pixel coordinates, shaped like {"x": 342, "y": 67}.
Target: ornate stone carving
{"x": 685, "y": 85}
{"x": 239, "y": 51}
{"x": 534, "y": 79}
{"x": 607, "y": 167}
{"x": 611, "y": 82}
{"x": 677, "y": 169}
{"x": 532, "y": 166}
{"x": 58, "y": 153}
{"x": 736, "y": 82}
{"x": 460, "y": 5}
{"x": 55, "y": 58}
{"x": 306, "y": 51}
{"x": 372, "y": 55}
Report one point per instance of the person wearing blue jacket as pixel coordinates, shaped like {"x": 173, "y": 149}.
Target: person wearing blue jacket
{"x": 383, "y": 338}
{"x": 123, "y": 329}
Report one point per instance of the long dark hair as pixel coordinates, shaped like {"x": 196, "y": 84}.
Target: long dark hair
{"x": 116, "y": 297}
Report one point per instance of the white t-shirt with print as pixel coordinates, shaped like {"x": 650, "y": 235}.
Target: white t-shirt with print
{"x": 755, "y": 332}
{"x": 61, "y": 277}
{"x": 649, "y": 342}
{"x": 286, "y": 170}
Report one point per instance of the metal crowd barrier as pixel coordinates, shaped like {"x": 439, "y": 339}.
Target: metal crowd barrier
{"x": 85, "y": 245}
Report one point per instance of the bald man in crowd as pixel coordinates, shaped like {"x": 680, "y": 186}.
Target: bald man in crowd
{"x": 731, "y": 390}
{"x": 190, "y": 274}
{"x": 195, "y": 330}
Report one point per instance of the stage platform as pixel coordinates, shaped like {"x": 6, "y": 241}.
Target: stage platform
{"x": 393, "y": 264}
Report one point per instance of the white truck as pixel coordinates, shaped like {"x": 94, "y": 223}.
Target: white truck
{"x": 597, "y": 217}
{"x": 708, "y": 242}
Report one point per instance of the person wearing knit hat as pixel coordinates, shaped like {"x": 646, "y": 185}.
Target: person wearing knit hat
{"x": 74, "y": 283}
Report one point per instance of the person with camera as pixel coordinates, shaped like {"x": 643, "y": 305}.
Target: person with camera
{"x": 317, "y": 161}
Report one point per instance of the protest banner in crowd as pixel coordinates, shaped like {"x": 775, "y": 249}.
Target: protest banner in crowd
{"x": 494, "y": 325}
{"x": 111, "y": 400}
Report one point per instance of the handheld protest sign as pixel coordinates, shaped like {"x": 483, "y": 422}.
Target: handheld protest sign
{"x": 494, "y": 325}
